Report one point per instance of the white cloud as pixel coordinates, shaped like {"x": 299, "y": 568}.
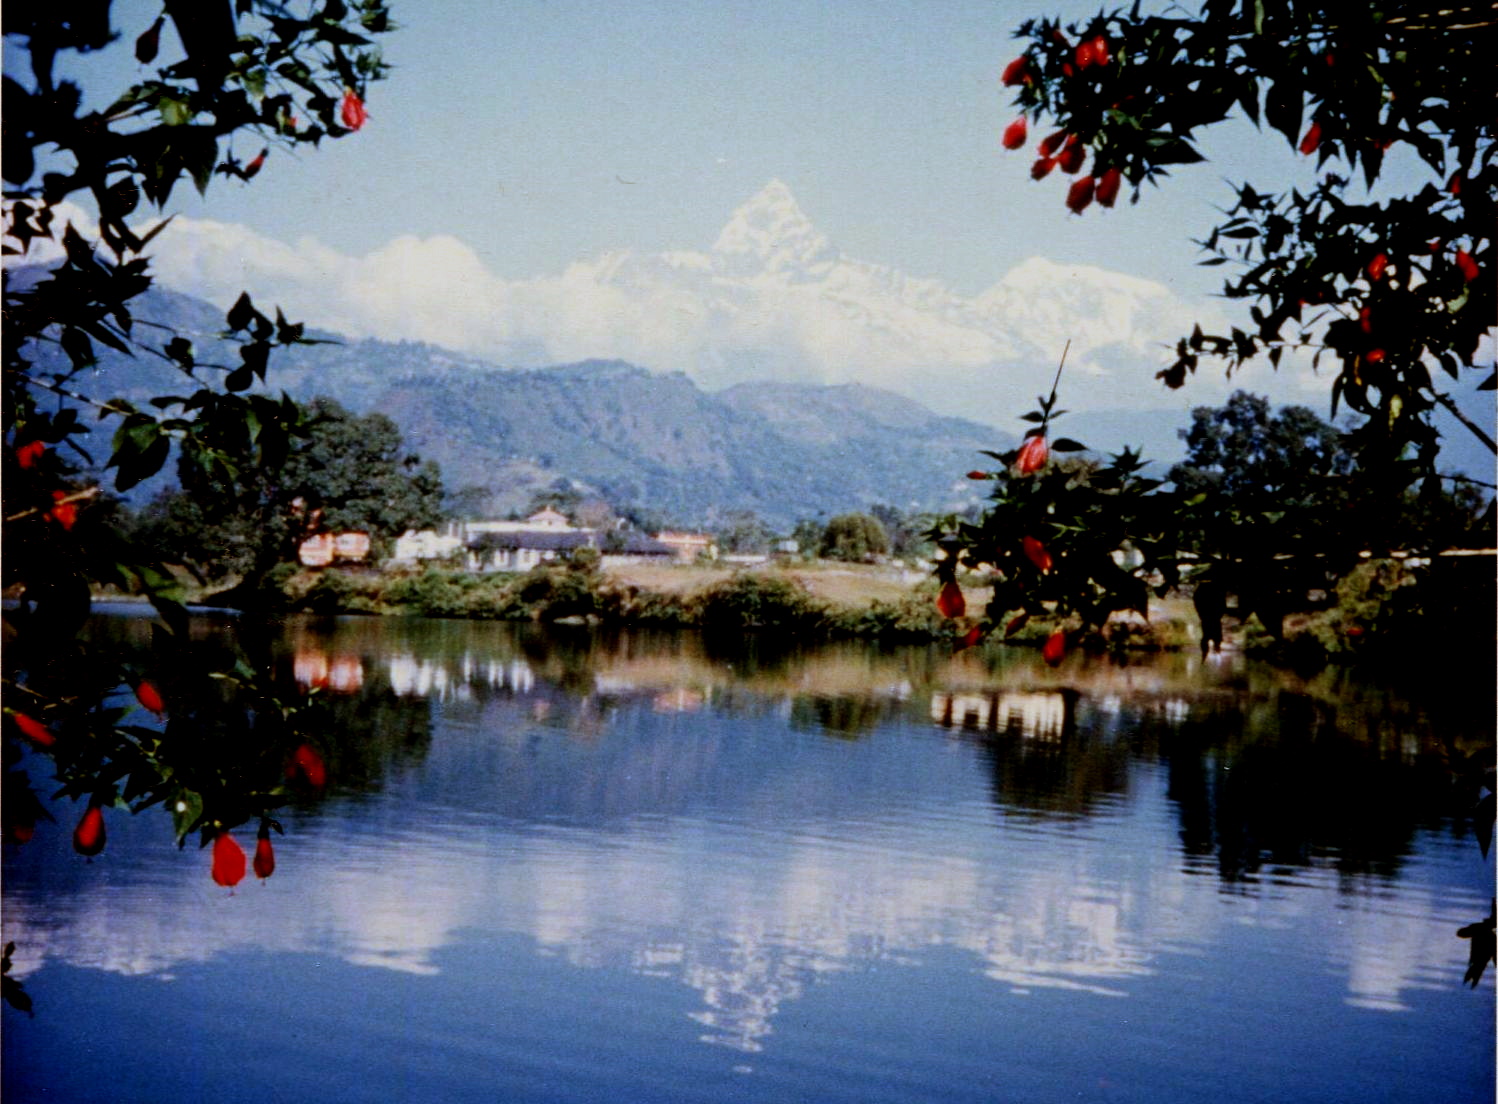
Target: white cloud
{"x": 773, "y": 298}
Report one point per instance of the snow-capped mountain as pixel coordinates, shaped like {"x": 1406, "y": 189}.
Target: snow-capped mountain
{"x": 772, "y": 299}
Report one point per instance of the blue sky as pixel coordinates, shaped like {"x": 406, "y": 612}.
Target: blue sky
{"x": 546, "y": 132}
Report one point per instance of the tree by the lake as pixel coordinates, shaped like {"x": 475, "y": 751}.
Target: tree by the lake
{"x": 854, "y": 538}
{"x": 1382, "y": 271}
{"x": 225, "y": 90}
{"x": 347, "y": 472}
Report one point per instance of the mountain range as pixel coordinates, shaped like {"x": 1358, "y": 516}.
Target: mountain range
{"x": 638, "y": 439}
{"x": 771, "y": 298}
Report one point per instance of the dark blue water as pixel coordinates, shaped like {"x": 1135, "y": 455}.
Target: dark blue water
{"x": 662, "y": 869}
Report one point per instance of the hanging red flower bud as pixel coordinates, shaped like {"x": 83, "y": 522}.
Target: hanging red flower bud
{"x": 307, "y": 766}
{"x": 352, "y": 111}
{"x": 88, "y": 837}
{"x": 1107, "y": 187}
{"x": 1079, "y": 195}
{"x": 1017, "y": 71}
{"x": 1052, "y": 142}
{"x": 1468, "y": 266}
{"x": 1100, "y": 55}
{"x": 64, "y": 513}
{"x": 1085, "y": 55}
{"x": 1037, "y": 553}
{"x": 1375, "y": 356}
{"x": 1377, "y": 267}
{"x": 976, "y": 474}
{"x": 1042, "y": 168}
{"x": 148, "y": 696}
{"x": 1454, "y": 185}
{"x": 1032, "y": 455}
{"x": 1054, "y": 649}
{"x": 257, "y": 164}
{"x": 1312, "y": 139}
{"x": 1072, "y": 155}
{"x": 970, "y": 638}
{"x": 33, "y": 729}
{"x": 28, "y": 454}
{"x": 1016, "y": 623}
{"x": 1016, "y": 133}
{"x": 950, "y": 602}
{"x": 228, "y": 860}
{"x": 265, "y": 855}
{"x": 147, "y": 44}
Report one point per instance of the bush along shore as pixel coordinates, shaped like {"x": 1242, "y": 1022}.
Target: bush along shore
{"x": 1371, "y": 614}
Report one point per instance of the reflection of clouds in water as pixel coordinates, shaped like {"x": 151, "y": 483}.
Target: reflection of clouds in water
{"x": 749, "y": 919}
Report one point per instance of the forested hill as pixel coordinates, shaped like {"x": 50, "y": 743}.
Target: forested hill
{"x": 641, "y": 439}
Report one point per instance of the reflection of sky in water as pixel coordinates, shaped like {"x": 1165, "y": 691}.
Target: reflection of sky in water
{"x": 661, "y": 831}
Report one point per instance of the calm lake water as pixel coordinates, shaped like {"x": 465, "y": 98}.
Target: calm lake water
{"x": 569, "y": 867}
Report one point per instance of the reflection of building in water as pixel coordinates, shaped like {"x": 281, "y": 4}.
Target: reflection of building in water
{"x": 1039, "y": 715}
{"x": 341, "y": 674}
{"x": 426, "y": 678}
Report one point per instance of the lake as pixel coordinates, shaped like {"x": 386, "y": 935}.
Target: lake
{"x": 558, "y": 865}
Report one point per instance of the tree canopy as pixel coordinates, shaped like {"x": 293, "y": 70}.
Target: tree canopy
{"x": 223, "y": 83}
{"x": 1391, "y": 285}
{"x": 856, "y": 538}
{"x": 347, "y": 472}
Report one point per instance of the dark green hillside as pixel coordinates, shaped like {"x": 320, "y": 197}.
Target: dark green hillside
{"x": 784, "y": 451}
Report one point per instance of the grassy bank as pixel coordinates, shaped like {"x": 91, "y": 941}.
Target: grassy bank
{"x": 1375, "y": 612}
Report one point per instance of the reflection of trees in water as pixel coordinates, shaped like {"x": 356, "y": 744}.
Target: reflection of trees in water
{"x": 1295, "y": 790}
{"x": 1277, "y": 780}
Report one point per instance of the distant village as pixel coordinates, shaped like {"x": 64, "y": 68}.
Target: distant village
{"x": 489, "y": 546}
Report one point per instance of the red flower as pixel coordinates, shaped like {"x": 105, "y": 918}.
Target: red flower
{"x": 1037, "y": 554}
{"x": 1051, "y": 143}
{"x": 1016, "y": 623}
{"x": 1312, "y": 140}
{"x": 1016, "y": 133}
{"x": 970, "y": 638}
{"x": 228, "y": 860}
{"x": 1054, "y": 649}
{"x": 1032, "y": 455}
{"x": 257, "y": 164}
{"x": 1107, "y": 187}
{"x": 1100, "y": 54}
{"x": 1454, "y": 185}
{"x": 307, "y": 766}
{"x": 33, "y": 729}
{"x": 1079, "y": 195}
{"x": 1072, "y": 155}
{"x": 149, "y": 42}
{"x": 1375, "y": 356}
{"x": 352, "y": 111}
{"x": 265, "y": 855}
{"x": 1468, "y": 266}
{"x": 64, "y": 513}
{"x": 88, "y": 837}
{"x": 1086, "y": 53}
{"x": 29, "y": 453}
{"x": 976, "y": 474}
{"x": 150, "y": 697}
{"x": 1017, "y": 71}
{"x": 1365, "y": 319}
{"x": 1377, "y": 267}
{"x": 950, "y": 602}
{"x": 1042, "y": 168}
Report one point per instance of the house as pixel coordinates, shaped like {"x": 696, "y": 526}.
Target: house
{"x": 427, "y": 544}
{"x": 689, "y": 546}
{"x": 521, "y": 550}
